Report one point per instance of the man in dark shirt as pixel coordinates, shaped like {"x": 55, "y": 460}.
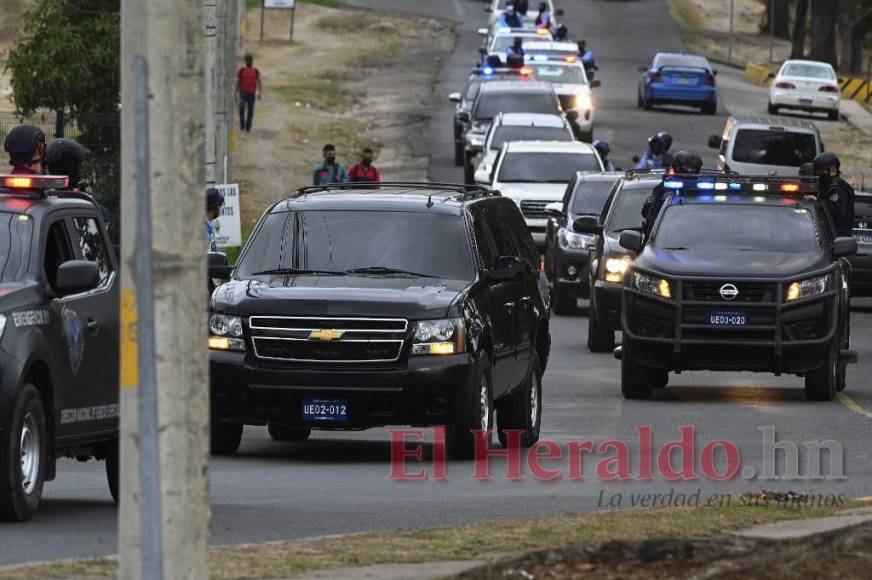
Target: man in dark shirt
{"x": 837, "y": 195}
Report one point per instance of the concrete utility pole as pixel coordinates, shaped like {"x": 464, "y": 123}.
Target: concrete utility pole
{"x": 163, "y": 171}
{"x": 210, "y": 36}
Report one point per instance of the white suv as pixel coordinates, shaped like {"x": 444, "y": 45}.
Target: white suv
{"x": 766, "y": 145}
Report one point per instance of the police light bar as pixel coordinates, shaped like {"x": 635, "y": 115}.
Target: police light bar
{"x": 691, "y": 183}
{"x": 489, "y": 71}
{"x": 24, "y": 182}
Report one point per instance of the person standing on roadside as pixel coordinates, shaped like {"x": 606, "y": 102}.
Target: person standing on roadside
{"x": 365, "y": 170}
{"x": 329, "y": 171}
{"x": 249, "y": 86}
{"x": 214, "y": 202}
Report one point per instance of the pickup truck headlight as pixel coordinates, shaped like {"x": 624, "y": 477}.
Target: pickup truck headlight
{"x": 652, "y": 285}
{"x": 616, "y": 268}
{"x": 573, "y": 241}
{"x": 225, "y": 332}
{"x": 439, "y": 337}
{"x": 583, "y": 101}
{"x": 807, "y": 288}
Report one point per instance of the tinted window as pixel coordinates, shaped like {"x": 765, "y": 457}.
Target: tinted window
{"x": 627, "y": 209}
{"x": 521, "y": 235}
{"x": 472, "y": 88}
{"x": 510, "y": 133}
{"x": 809, "y": 70}
{"x": 570, "y": 75}
{"x": 774, "y": 147}
{"x": 483, "y": 241}
{"x": 737, "y": 227}
{"x": 57, "y": 250}
{"x": 489, "y": 105}
{"x": 522, "y": 167}
{"x": 499, "y": 229}
{"x": 590, "y": 197}
{"x": 682, "y": 61}
{"x": 863, "y": 210}
{"x": 426, "y": 243}
{"x": 16, "y": 231}
{"x": 91, "y": 243}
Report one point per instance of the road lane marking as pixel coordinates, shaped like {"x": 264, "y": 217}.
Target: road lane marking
{"x": 852, "y": 405}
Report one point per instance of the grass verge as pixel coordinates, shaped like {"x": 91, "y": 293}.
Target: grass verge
{"x": 456, "y": 543}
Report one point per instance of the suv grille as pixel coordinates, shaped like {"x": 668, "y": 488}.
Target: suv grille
{"x": 863, "y": 236}
{"x": 711, "y": 292}
{"x": 339, "y": 340}
{"x": 534, "y": 210}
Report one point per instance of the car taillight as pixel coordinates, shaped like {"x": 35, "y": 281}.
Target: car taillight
{"x": 784, "y": 85}
{"x": 710, "y": 80}
{"x": 829, "y": 89}
{"x": 656, "y": 78}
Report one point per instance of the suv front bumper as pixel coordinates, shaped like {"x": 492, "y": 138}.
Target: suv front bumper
{"x": 427, "y": 391}
{"x": 577, "y": 284}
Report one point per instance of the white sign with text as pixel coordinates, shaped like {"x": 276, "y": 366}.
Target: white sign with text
{"x": 228, "y": 227}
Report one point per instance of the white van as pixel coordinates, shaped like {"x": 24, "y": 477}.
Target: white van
{"x": 766, "y": 145}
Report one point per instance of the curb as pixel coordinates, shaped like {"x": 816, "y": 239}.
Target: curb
{"x": 758, "y": 74}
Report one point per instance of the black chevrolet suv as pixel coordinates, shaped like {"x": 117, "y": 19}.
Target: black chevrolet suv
{"x": 739, "y": 274}
{"x": 356, "y": 306}
{"x": 58, "y": 338}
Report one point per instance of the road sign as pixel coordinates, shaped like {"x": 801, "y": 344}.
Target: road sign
{"x": 290, "y": 5}
{"x": 228, "y": 230}
{"x": 280, "y": 4}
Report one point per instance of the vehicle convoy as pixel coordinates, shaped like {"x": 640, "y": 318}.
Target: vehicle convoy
{"x": 536, "y": 173}
{"x": 763, "y": 145}
{"x": 678, "y": 79}
{"x": 608, "y": 260}
{"x": 353, "y": 307}
{"x": 58, "y": 338}
{"x": 806, "y": 85}
{"x": 567, "y": 253}
{"x": 739, "y": 274}
{"x": 574, "y": 91}
{"x": 508, "y": 127}
{"x": 861, "y": 262}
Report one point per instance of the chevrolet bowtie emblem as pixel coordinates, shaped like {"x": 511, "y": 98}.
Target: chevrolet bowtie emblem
{"x": 326, "y": 334}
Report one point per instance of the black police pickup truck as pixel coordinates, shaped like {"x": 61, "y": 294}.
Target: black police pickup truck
{"x": 360, "y": 305}
{"x": 739, "y": 273}
{"x": 58, "y": 338}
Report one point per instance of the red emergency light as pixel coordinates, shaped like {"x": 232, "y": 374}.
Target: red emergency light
{"x": 33, "y": 182}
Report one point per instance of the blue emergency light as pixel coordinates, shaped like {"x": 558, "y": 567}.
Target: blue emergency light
{"x": 742, "y": 184}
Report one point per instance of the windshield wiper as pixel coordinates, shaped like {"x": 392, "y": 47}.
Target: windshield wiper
{"x": 297, "y": 271}
{"x": 386, "y": 270}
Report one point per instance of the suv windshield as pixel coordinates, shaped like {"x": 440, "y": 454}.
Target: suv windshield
{"x": 590, "y": 197}
{"x": 527, "y": 133}
{"x": 567, "y": 75}
{"x": 545, "y": 167}
{"x": 490, "y": 104}
{"x": 739, "y": 227}
{"x": 627, "y": 211}
{"x": 766, "y": 147}
{"x": 16, "y": 231}
{"x": 338, "y": 241}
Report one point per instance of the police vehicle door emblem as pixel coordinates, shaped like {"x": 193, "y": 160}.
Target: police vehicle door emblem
{"x": 729, "y": 291}
{"x": 75, "y": 338}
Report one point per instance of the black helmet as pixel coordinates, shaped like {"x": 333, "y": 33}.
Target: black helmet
{"x": 666, "y": 138}
{"x": 64, "y": 148}
{"x": 602, "y": 147}
{"x": 22, "y": 142}
{"x": 685, "y": 162}
{"x": 656, "y": 145}
{"x": 806, "y": 169}
{"x": 824, "y": 161}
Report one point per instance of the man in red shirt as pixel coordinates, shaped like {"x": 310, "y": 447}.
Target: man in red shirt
{"x": 365, "y": 170}
{"x": 249, "y": 87}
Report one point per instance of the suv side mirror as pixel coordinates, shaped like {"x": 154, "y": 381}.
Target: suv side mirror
{"x": 463, "y": 117}
{"x": 482, "y": 31}
{"x": 554, "y": 209}
{"x": 76, "y": 276}
{"x": 587, "y": 224}
{"x": 482, "y": 50}
{"x": 559, "y": 12}
{"x": 454, "y": 97}
{"x": 843, "y": 247}
{"x": 595, "y": 84}
{"x": 488, "y": 9}
{"x": 506, "y": 269}
{"x": 642, "y": 69}
{"x": 714, "y": 142}
{"x": 219, "y": 268}
{"x": 631, "y": 240}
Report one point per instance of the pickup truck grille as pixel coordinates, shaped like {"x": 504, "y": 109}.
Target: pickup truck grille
{"x": 863, "y": 235}
{"x": 324, "y": 339}
{"x": 534, "y": 210}
{"x": 711, "y": 292}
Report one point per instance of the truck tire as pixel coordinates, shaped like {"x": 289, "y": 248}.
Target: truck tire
{"x": 600, "y": 337}
{"x": 458, "y": 154}
{"x": 522, "y": 409}
{"x": 113, "y": 463}
{"x": 23, "y": 457}
{"x": 224, "y": 438}
{"x": 659, "y": 379}
{"x": 468, "y": 170}
{"x": 287, "y": 433}
{"x": 636, "y": 380}
{"x": 820, "y": 384}
{"x": 474, "y": 413}
{"x": 562, "y": 301}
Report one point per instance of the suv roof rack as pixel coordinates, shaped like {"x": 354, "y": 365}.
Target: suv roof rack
{"x": 465, "y": 190}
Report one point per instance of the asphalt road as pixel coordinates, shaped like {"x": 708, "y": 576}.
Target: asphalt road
{"x": 338, "y": 482}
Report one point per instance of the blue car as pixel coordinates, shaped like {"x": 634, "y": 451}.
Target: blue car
{"x": 679, "y": 79}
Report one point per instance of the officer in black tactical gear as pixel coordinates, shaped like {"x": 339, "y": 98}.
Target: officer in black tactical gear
{"x": 683, "y": 163}
{"x": 837, "y": 195}
{"x": 65, "y": 157}
{"x": 25, "y": 145}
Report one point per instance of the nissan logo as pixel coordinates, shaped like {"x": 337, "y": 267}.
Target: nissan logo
{"x": 729, "y": 291}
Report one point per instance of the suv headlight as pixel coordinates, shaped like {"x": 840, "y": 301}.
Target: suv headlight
{"x": 807, "y": 288}
{"x": 583, "y": 101}
{"x": 444, "y": 336}
{"x": 573, "y": 241}
{"x": 225, "y": 332}
{"x": 615, "y": 268}
{"x": 652, "y": 285}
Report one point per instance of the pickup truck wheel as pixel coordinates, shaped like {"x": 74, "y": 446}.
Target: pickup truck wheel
{"x": 659, "y": 379}
{"x": 458, "y": 154}
{"x": 468, "y": 170}
{"x": 600, "y": 337}
{"x": 23, "y": 457}
{"x": 286, "y": 433}
{"x": 636, "y": 380}
{"x": 820, "y": 385}
{"x": 224, "y": 438}
{"x": 475, "y": 414}
{"x": 562, "y": 301}
{"x": 522, "y": 410}
{"x": 113, "y": 460}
